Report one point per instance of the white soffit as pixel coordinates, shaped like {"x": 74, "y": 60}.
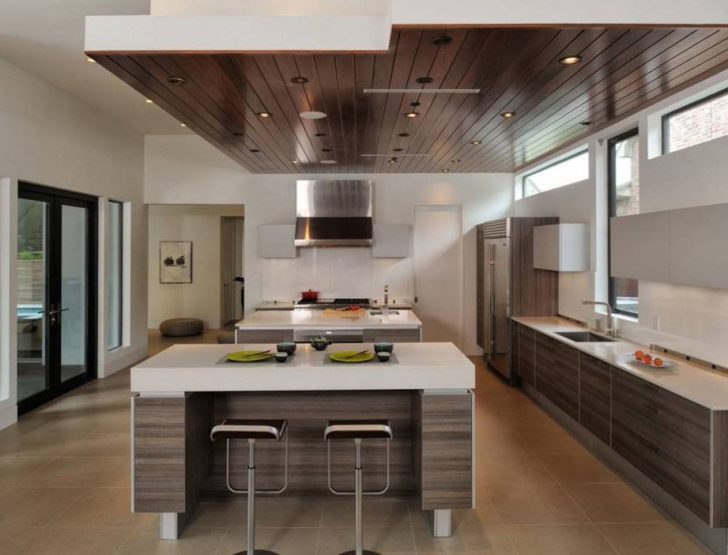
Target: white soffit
{"x": 245, "y": 26}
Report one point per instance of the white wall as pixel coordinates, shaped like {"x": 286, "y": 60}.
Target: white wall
{"x": 201, "y": 298}
{"x": 51, "y": 138}
{"x": 692, "y": 320}
{"x": 185, "y": 169}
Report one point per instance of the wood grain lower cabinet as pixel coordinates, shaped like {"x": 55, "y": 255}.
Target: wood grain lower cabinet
{"x": 264, "y": 336}
{"x": 403, "y": 335}
{"x": 595, "y": 397}
{"x": 666, "y": 437}
{"x": 526, "y": 355}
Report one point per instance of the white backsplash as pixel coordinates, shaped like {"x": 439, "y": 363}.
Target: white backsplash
{"x": 336, "y": 272}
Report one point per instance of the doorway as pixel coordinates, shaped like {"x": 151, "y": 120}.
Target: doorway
{"x": 232, "y": 287}
{"x": 56, "y": 283}
{"x": 438, "y": 271}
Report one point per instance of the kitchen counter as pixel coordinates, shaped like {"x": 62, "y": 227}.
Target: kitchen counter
{"x": 291, "y": 305}
{"x": 326, "y": 319}
{"x": 185, "y": 368}
{"x": 700, "y": 385}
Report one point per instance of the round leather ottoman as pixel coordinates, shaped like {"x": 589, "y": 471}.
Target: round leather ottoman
{"x": 181, "y": 327}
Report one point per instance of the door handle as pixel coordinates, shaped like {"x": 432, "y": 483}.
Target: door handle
{"x": 54, "y": 314}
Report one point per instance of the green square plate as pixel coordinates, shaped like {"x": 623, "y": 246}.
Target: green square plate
{"x": 248, "y": 356}
{"x": 351, "y": 356}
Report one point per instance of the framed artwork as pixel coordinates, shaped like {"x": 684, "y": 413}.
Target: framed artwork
{"x": 175, "y": 262}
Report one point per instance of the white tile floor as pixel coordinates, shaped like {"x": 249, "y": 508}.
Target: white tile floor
{"x": 64, "y": 489}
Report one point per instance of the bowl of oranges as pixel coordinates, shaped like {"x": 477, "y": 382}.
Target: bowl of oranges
{"x": 652, "y": 360}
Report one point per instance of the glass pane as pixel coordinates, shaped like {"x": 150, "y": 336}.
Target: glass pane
{"x": 626, "y": 191}
{"x": 31, "y": 309}
{"x": 704, "y": 122}
{"x": 73, "y": 291}
{"x": 114, "y": 257}
{"x": 571, "y": 170}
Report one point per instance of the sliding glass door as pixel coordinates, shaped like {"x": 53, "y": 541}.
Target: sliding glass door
{"x": 56, "y": 307}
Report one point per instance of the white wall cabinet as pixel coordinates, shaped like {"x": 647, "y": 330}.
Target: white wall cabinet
{"x": 561, "y": 247}
{"x": 639, "y": 246}
{"x": 698, "y": 246}
{"x": 392, "y": 241}
{"x": 276, "y": 241}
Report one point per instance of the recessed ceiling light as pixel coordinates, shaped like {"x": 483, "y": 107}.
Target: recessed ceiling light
{"x": 239, "y": 134}
{"x": 329, "y": 162}
{"x": 424, "y": 80}
{"x": 312, "y": 115}
{"x": 585, "y": 123}
{"x": 294, "y": 162}
{"x": 397, "y": 149}
{"x": 149, "y": 101}
{"x": 508, "y": 114}
{"x": 411, "y": 115}
{"x": 403, "y": 134}
{"x": 475, "y": 142}
{"x": 90, "y": 60}
{"x": 254, "y": 150}
{"x": 174, "y": 80}
{"x": 320, "y": 134}
{"x": 415, "y": 103}
{"x": 420, "y": 91}
{"x": 325, "y": 150}
{"x": 183, "y": 125}
{"x": 392, "y": 161}
{"x": 441, "y": 40}
{"x": 456, "y": 161}
{"x": 409, "y": 155}
{"x": 264, "y": 114}
{"x": 570, "y": 60}
{"x": 445, "y": 170}
{"x": 299, "y": 80}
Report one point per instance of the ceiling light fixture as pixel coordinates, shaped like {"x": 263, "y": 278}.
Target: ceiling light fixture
{"x": 392, "y": 161}
{"x": 585, "y": 123}
{"x": 149, "y": 101}
{"x": 475, "y": 142}
{"x": 320, "y": 134}
{"x": 299, "y": 80}
{"x": 410, "y": 155}
{"x": 90, "y": 60}
{"x": 445, "y": 170}
{"x": 312, "y": 115}
{"x": 456, "y": 161}
{"x": 294, "y": 162}
{"x": 570, "y": 60}
{"x": 411, "y": 114}
{"x": 403, "y": 134}
{"x": 329, "y": 162}
{"x": 397, "y": 149}
{"x": 239, "y": 134}
{"x": 254, "y": 150}
{"x": 424, "y": 80}
{"x": 325, "y": 150}
{"x": 420, "y": 91}
{"x": 183, "y": 125}
{"x": 174, "y": 80}
{"x": 264, "y": 115}
{"x": 508, "y": 114}
{"x": 442, "y": 39}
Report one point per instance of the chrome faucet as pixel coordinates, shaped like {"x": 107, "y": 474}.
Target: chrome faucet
{"x": 610, "y": 327}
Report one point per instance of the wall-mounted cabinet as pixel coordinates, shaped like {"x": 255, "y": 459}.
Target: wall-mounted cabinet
{"x": 561, "y": 247}
{"x": 392, "y": 241}
{"x": 276, "y": 241}
{"x": 684, "y": 247}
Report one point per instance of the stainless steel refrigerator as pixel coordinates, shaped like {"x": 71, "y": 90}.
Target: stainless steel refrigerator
{"x": 497, "y": 298}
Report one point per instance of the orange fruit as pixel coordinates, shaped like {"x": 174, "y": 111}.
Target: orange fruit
{"x": 639, "y": 355}
{"x": 658, "y": 361}
{"x": 647, "y": 359}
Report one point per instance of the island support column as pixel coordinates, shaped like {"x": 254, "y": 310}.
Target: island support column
{"x": 445, "y": 466}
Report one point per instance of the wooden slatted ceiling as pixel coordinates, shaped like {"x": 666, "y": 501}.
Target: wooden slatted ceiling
{"x": 622, "y": 71}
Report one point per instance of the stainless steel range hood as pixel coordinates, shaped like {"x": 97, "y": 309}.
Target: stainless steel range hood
{"x": 334, "y": 213}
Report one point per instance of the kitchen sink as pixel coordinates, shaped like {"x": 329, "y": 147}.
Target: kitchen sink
{"x": 584, "y": 337}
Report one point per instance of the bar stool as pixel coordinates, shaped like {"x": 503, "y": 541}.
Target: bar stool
{"x": 252, "y": 430}
{"x": 357, "y": 430}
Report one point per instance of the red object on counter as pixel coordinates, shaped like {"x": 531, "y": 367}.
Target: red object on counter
{"x": 310, "y": 295}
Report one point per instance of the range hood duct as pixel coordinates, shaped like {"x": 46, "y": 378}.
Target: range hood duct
{"x": 334, "y": 213}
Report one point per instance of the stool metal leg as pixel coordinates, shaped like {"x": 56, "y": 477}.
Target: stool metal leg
{"x": 358, "y": 505}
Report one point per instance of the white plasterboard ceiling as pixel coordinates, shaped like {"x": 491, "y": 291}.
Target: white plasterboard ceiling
{"x": 46, "y": 38}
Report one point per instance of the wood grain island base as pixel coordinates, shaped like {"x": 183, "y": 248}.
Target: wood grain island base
{"x": 426, "y": 397}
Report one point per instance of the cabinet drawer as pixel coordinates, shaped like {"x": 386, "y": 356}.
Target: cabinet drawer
{"x": 543, "y": 355}
{"x": 565, "y": 372}
{"x": 595, "y": 396}
{"x": 526, "y": 360}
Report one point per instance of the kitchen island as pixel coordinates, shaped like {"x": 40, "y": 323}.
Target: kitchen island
{"x": 340, "y": 326}
{"x": 179, "y": 394}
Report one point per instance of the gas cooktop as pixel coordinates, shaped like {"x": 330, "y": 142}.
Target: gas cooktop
{"x": 335, "y": 303}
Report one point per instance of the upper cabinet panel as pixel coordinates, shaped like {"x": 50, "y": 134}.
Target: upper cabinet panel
{"x": 698, "y": 246}
{"x": 561, "y": 247}
{"x": 639, "y": 247}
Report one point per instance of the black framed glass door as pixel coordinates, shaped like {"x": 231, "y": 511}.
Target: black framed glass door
{"x": 56, "y": 284}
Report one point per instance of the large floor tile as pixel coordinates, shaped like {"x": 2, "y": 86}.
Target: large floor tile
{"x": 510, "y": 468}
{"x": 101, "y": 508}
{"x": 617, "y": 502}
{"x": 487, "y": 540}
{"x": 388, "y": 541}
{"x": 301, "y": 541}
{"x": 36, "y": 506}
{"x": 378, "y": 513}
{"x": 533, "y": 503}
{"x": 578, "y": 467}
{"x": 83, "y": 472}
{"x": 45, "y": 541}
{"x": 559, "y": 539}
{"x": 19, "y": 471}
{"x": 194, "y": 541}
{"x": 652, "y": 538}
{"x": 287, "y": 512}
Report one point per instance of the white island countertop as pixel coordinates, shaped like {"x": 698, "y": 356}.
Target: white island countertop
{"x": 700, "y": 385}
{"x": 328, "y": 319}
{"x": 193, "y": 368}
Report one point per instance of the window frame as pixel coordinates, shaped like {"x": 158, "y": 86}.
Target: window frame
{"x": 120, "y": 343}
{"x": 611, "y": 208}
{"x": 665, "y": 119}
{"x": 525, "y": 176}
